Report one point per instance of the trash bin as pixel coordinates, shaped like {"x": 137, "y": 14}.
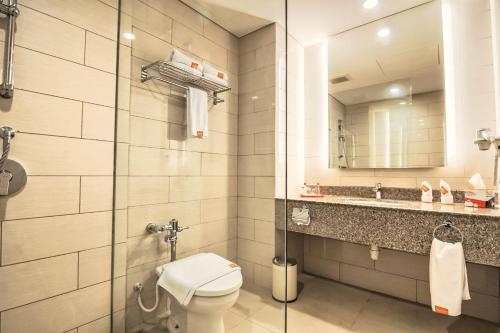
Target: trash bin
{"x": 279, "y": 279}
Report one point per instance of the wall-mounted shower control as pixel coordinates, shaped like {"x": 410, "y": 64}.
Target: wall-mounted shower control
{"x": 12, "y": 174}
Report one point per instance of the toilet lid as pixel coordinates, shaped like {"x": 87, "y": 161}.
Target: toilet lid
{"x": 221, "y": 286}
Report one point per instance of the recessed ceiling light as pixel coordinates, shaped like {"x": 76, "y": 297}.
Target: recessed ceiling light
{"x": 369, "y": 4}
{"x": 128, "y": 35}
{"x": 394, "y": 91}
{"x": 384, "y": 32}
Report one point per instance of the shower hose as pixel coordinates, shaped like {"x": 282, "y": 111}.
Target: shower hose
{"x": 157, "y": 301}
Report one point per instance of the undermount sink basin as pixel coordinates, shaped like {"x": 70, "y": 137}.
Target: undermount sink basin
{"x": 375, "y": 202}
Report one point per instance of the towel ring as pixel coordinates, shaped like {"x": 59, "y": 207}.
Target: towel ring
{"x": 448, "y": 224}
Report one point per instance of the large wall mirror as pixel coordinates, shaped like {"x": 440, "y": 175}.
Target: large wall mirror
{"x": 386, "y": 92}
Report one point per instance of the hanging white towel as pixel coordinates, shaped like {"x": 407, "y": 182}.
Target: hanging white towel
{"x": 197, "y": 112}
{"x": 181, "y": 278}
{"x": 447, "y": 277}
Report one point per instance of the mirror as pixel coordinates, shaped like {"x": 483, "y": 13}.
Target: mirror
{"x": 386, "y": 92}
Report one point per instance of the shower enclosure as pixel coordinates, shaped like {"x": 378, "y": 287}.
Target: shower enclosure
{"x": 220, "y": 189}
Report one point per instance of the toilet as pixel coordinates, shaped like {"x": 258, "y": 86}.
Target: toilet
{"x": 205, "y": 311}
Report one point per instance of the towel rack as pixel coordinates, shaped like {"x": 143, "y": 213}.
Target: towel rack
{"x": 181, "y": 78}
{"x": 448, "y": 224}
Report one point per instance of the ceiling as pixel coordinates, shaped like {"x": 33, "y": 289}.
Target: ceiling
{"x": 308, "y": 20}
{"x": 411, "y": 53}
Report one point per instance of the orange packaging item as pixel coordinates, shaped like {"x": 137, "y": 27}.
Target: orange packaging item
{"x": 441, "y": 310}
{"x": 199, "y": 134}
{"x": 194, "y": 65}
{"x": 220, "y": 75}
{"x": 443, "y": 190}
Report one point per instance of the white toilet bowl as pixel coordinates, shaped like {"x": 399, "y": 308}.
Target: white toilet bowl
{"x": 206, "y": 309}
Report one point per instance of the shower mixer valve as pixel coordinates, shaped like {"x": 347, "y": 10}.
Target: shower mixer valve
{"x": 12, "y": 174}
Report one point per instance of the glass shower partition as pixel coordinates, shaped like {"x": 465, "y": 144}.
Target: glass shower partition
{"x": 228, "y": 188}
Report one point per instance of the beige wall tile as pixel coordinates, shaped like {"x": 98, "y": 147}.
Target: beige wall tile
{"x": 99, "y": 122}
{"x": 49, "y": 236}
{"x": 256, "y": 122}
{"x": 147, "y": 104}
{"x": 217, "y": 187}
{"x": 256, "y": 208}
{"x": 187, "y": 213}
{"x": 185, "y": 189}
{"x": 40, "y": 32}
{"x": 35, "y": 113}
{"x": 149, "y": 47}
{"x": 151, "y": 20}
{"x": 146, "y": 161}
{"x": 246, "y": 228}
{"x": 263, "y": 276}
{"x": 402, "y": 263}
{"x": 257, "y": 253}
{"x": 179, "y": 12}
{"x": 91, "y": 15}
{"x": 66, "y": 311}
{"x": 121, "y": 217}
{"x": 258, "y": 39}
{"x": 32, "y": 281}
{"x": 94, "y": 266}
{"x": 96, "y": 194}
{"x": 119, "y": 293}
{"x": 322, "y": 267}
{"x": 265, "y": 187}
{"x": 46, "y": 155}
{"x": 246, "y": 271}
{"x": 264, "y": 232}
{"x": 148, "y": 190}
{"x": 265, "y": 143}
{"x": 261, "y": 78}
{"x": 256, "y": 165}
{"x": 218, "y": 209}
{"x": 354, "y": 254}
{"x": 43, "y": 196}
{"x": 246, "y": 144}
{"x": 220, "y": 36}
{"x": 246, "y": 186}
{"x": 101, "y": 325}
{"x": 149, "y": 133}
{"x": 393, "y": 285}
{"x": 144, "y": 249}
{"x": 120, "y": 257}
{"x": 202, "y": 47}
{"x": 265, "y": 56}
{"x": 49, "y": 75}
{"x": 222, "y": 121}
{"x": 218, "y": 165}
{"x": 100, "y": 52}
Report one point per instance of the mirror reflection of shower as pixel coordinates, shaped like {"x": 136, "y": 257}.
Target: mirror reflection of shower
{"x": 342, "y": 151}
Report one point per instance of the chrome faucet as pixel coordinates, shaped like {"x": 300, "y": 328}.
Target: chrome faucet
{"x": 172, "y": 228}
{"x": 378, "y": 191}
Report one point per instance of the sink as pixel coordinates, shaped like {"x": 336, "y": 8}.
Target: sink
{"x": 375, "y": 202}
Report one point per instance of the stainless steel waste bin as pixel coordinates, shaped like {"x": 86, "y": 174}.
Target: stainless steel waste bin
{"x": 279, "y": 279}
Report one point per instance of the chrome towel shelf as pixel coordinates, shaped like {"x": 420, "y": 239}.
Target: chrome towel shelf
{"x": 181, "y": 78}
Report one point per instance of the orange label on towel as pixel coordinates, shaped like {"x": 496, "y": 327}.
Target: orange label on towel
{"x": 443, "y": 190}
{"x": 220, "y": 75}
{"x": 233, "y": 265}
{"x": 199, "y": 134}
{"x": 194, "y": 65}
{"x": 425, "y": 188}
{"x": 441, "y": 310}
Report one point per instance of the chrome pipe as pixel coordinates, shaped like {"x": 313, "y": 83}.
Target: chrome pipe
{"x": 9, "y": 8}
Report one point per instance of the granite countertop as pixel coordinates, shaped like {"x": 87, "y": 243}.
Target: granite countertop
{"x": 457, "y": 208}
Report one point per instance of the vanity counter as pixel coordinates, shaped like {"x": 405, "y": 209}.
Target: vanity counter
{"x": 397, "y": 224}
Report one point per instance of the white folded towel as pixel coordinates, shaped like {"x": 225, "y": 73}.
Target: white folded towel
{"x": 215, "y": 74}
{"x": 446, "y": 196}
{"x": 179, "y": 57}
{"x": 197, "y": 112}
{"x": 447, "y": 277}
{"x": 216, "y": 79}
{"x": 186, "y": 68}
{"x": 181, "y": 278}
{"x": 300, "y": 216}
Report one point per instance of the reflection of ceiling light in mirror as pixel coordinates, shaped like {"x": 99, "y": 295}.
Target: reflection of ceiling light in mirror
{"x": 255, "y": 97}
{"x": 369, "y": 4}
{"x": 384, "y": 32}
{"x": 402, "y": 103}
{"x": 128, "y": 35}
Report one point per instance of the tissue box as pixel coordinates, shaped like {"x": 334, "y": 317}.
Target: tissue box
{"x": 480, "y": 198}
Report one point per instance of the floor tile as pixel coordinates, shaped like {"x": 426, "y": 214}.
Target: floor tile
{"x": 249, "y": 327}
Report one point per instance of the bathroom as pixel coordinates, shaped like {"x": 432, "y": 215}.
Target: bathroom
{"x": 152, "y": 144}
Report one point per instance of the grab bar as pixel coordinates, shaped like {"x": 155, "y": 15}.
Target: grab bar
{"x": 9, "y": 8}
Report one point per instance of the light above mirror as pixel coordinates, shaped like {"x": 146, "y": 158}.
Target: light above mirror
{"x": 369, "y": 4}
{"x": 384, "y": 32}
